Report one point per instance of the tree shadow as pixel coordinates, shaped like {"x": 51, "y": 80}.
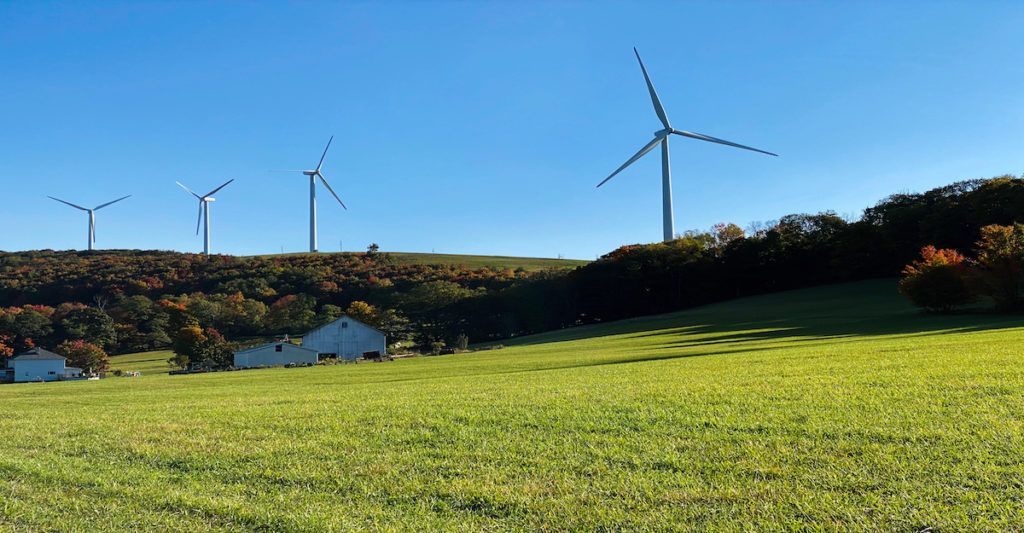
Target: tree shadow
{"x": 853, "y": 310}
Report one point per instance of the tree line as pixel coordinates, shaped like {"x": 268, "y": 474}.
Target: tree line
{"x": 726, "y": 261}
{"x": 127, "y": 301}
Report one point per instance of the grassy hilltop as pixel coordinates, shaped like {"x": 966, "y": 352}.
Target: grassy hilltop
{"x": 468, "y": 261}
{"x": 835, "y": 407}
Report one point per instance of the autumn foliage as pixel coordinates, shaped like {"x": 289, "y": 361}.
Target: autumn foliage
{"x": 84, "y": 355}
{"x": 938, "y": 281}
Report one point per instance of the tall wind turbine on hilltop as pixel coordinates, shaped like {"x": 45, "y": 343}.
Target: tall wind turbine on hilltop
{"x": 313, "y": 175}
{"x": 92, "y": 215}
{"x": 661, "y": 137}
{"x": 204, "y": 212}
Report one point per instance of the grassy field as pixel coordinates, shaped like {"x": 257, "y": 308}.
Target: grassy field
{"x": 477, "y": 261}
{"x": 830, "y": 408}
{"x": 148, "y": 363}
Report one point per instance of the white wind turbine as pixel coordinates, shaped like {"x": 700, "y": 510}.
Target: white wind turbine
{"x": 92, "y": 215}
{"x": 661, "y": 137}
{"x": 313, "y": 175}
{"x": 204, "y": 212}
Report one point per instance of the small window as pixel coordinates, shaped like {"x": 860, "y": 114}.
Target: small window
{"x": 278, "y": 348}
{"x": 51, "y": 372}
{"x": 344, "y": 325}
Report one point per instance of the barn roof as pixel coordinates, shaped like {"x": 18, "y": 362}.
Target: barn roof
{"x": 269, "y": 344}
{"x": 38, "y": 354}
{"x": 344, "y": 317}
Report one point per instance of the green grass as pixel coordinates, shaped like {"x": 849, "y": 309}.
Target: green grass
{"x": 832, "y": 408}
{"x": 148, "y": 363}
{"x": 473, "y": 261}
{"x": 480, "y": 261}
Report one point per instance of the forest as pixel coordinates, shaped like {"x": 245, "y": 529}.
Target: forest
{"x": 129, "y": 301}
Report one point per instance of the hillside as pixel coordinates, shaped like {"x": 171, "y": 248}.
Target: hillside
{"x": 468, "y": 261}
{"x": 488, "y": 261}
{"x": 835, "y": 407}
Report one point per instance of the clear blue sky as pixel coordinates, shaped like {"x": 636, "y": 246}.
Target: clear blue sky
{"x": 477, "y": 127}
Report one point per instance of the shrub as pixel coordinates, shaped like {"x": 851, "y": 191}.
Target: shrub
{"x": 938, "y": 281}
{"x": 462, "y": 341}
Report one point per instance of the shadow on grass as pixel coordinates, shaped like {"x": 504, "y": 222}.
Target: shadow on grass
{"x": 862, "y": 309}
{"x": 818, "y": 317}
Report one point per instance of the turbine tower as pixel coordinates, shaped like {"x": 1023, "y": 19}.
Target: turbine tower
{"x": 204, "y": 212}
{"x": 313, "y": 175}
{"x": 92, "y": 216}
{"x": 661, "y": 137}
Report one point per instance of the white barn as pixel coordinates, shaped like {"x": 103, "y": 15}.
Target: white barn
{"x": 38, "y": 364}
{"x": 275, "y": 354}
{"x": 346, "y": 338}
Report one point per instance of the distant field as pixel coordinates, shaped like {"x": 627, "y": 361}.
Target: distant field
{"x": 526, "y": 263}
{"x": 834, "y": 408}
{"x": 480, "y": 261}
{"x": 146, "y": 362}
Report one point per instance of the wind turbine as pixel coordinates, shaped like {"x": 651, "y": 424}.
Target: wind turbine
{"x": 204, "y": 212}
{"x": 313, "y": 175}
{"x": 661, "y": 137}
{"x": 92, "y": 215}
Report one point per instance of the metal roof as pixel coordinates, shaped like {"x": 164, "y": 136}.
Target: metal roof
{"x": 262, "y": 346}
{"x": 37, "y": 354}
{"x": 345, "y": 317}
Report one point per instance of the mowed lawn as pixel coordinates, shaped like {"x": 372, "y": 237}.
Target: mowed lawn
{"x": 147, "y": 363}
{"x": 831, "y": 408}
{"x": 471, "y": 261}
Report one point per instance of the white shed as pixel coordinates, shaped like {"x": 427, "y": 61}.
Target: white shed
{"x": 346, "y": 338}
{"x": 275, "y": 354}
{"x": 38, "y": 364}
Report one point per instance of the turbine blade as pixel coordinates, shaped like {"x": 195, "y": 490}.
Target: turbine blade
{"x": 211, "y": 193}
{"x": 200, "y": 219}
{"x": 92, "y": 228}
{"x": 188, "y": 190}
{"x": 321, "y": 163}
{"x": 97, "y": 208}
{"x": 654, "y": 95}
{"x": 647, "y": 148}
{"x": 285, "y": 170}
{"x": 328, "y": 185}
{"x": 709, "y": 138}
{"x": 68, "y": 203}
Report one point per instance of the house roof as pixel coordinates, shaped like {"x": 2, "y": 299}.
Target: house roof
{"x": 268, "y": 345}
{"x": 344, "y": 317}
{"x": 37, "y": 354}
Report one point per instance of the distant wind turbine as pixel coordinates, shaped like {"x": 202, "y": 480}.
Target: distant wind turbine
{"x": 204, "y": 212}
{"x": 92, "y": 215}
{"x": 313, "y": 175}
{"x": 661, "y": 137}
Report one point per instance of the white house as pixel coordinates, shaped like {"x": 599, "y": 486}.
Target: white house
{"x": 38, "y": 364}
{"x": 275, "y": 354}
{"x": 346, "y": 338}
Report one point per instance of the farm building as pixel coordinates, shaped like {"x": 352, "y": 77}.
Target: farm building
{"x": 40, "y": 365}
{"x": 346, "y": 338}
{"x": 275, "y": 354}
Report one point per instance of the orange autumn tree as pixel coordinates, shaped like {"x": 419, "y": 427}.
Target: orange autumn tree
{"x": 937, "y": 281}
